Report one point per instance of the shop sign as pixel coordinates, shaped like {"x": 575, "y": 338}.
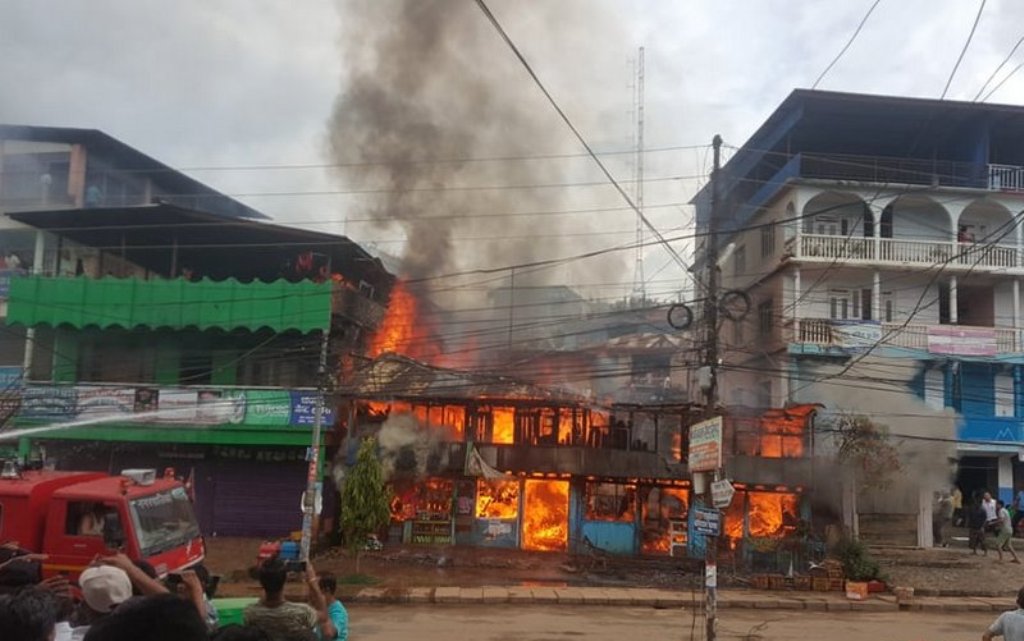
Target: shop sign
{"x": 706, "y": 445}
{"x": 707, "y": 521}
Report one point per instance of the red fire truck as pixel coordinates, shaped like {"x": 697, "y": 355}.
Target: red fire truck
{"x": 75, "y": 516}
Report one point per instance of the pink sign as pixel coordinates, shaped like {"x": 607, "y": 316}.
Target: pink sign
{"x": 962, "y": 341}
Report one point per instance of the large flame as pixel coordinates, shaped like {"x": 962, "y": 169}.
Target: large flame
{"x": 783, "y": 431}
{"x": 772, "y": 514}
{"x": 504, "y": 425}
{"x": 733, "y": 519}
{"x": 404, "y": 329}
{"x": 546, "y": 515}
{"x": 429, "y": 498}
{"x": 497, "y": 499}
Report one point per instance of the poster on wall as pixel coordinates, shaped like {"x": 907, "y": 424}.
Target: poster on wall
{"x": 962, "y": 341}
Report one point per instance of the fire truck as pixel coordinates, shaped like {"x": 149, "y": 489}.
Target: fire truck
{"x": 74, "y": 516}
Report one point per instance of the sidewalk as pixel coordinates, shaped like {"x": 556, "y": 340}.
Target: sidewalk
{"x": 646, "y": 597}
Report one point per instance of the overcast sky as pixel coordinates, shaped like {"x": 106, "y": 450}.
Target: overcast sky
{"x": 239, "y": 85}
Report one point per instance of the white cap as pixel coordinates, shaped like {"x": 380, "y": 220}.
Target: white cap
{"x": 104, "y": 587}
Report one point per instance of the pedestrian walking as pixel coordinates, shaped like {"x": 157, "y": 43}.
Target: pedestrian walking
{"x": 1004, "y": 539}
{"x": 942, "y": 512}
{"x": 976, "y": 518}
{"x": 958, "y": 507}
{"x": 991, "y": 511}
{"x": 1018, "y": 509}
{"x": 1009, "y": 625}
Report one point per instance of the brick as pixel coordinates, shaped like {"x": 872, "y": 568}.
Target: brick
{"x": 872, "y": 606}
{"x": 495, "y": 595}
{"x": 817, "y": 605}
{"x": 791, "y": 604}
{"x": 471, "y": 595}
{"x": 544, "y": 595}
{"x": 446, "y": 595}
{"x": 766, "y": 603}
{"x": 838, "y": 606}
{"x": 421, "y": 595}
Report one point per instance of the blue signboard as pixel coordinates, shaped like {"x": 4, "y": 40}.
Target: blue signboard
{"x": 10, "y": 378}
{"x": 304, "y": 410}
{"x": 707, "y": 521}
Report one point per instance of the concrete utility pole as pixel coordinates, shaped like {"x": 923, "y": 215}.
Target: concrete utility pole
{"x": 711, "y": 404}
{"x": 312, "y": 476}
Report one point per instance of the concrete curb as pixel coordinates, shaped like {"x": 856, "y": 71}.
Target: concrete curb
{"x": 648, "y": 597}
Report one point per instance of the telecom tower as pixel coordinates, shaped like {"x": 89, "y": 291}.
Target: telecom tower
{"x": 639, "y": 286}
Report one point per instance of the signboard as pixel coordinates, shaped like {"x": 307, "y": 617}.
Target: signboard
{"x": 962, "y": 341}
{"x": 707, "y": 521}
{"x": 856, "y": 334}
{"x": 721, "y": 493}
{"x": 706, "y": 445}
{"x": 303, "y": 410}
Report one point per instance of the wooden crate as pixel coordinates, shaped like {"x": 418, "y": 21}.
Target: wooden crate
{"x": 836, "y": 585}
{"x": 820, "y": 584}
{"x": 802, "y": 583}
{"x": 776, "y": 582}
{"x": 760, "y": 581}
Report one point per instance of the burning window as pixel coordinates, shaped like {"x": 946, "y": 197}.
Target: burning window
{"x": 662, "y": 506}
{"x": 546, "y": 515}
{"x": 773, "y": 514}
{"x": 610, "y": 502}
{"x": 422, "y": 500}
{"x": 496, "y": 425}
{"x": 732, "y": 526}
{"x": 497, "y": 499}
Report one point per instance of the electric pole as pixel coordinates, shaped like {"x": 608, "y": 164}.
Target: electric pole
{"x": 711, "y": 403}
{"x": 313, "y": 473}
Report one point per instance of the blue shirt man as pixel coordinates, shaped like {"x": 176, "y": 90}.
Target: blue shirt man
{"x": 335, "y": 610}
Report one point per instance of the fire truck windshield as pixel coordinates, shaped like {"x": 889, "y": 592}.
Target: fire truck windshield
{"x": 163, "y": 521}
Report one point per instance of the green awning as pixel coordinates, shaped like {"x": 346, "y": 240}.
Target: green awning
{"x": 175, "y": 304}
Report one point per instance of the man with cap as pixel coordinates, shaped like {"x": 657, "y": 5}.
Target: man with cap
{"x": 104, "y": 587}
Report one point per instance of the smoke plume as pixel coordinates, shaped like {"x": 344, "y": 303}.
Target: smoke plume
{"x": 430, "y": 79}
{"x": 408, "y": 449}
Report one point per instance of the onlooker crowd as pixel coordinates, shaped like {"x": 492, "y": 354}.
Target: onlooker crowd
{"x": 117, "y": 599}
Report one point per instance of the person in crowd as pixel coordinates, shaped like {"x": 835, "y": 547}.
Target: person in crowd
{"x": 279, "y": 618}
{"x": 28, "y": 615}
{"x": 159, "y": 617}
{"x": 958, "y": 507}
{"x": 976, "y": 518}
{"x": 991, "y": 511}
{"x": 239, "y": 633}
{"x": 337, "y": 615}
{"x": 942, "y": 512}
{"x": 1009, "y": 625}
{"x": 92, "y": 521}
{"x": 1004, "y": 537}
{"x": 193, "y": 585}
{"x": 104, "y": 588}
{"x": 1018, "y": 509}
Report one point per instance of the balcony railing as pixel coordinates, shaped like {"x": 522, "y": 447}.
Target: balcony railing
{"x": 1005, "y": 178}
{"x": 942, "y": 339}
{"x": 904, "y": 252}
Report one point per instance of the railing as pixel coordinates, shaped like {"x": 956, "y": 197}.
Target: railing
{"x": 1005, "y": 178}
{"x": 825, "y": 332}
{"x": 922, "y": 252}
{"x": 883, "y": 169}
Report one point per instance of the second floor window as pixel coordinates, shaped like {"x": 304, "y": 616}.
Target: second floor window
{"x": 740, "y": 261}
{"x": 768, "y": 241}
{"x": 765, "y": 320}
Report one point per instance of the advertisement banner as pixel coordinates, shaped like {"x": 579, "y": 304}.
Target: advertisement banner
{"x": 303, "y": 411}
{"x": 962, "y": 341}
{"x": 93, "y": 401}
{"x": 706, "y": 445}
{"x": 856, "y": 334}
{"x": 178, "y": 406}
{"x": 48, "y": 403}
{"x": 268, "y": 407}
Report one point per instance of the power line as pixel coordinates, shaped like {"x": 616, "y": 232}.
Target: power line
{"x": 963, "y": 51}
{"x": 847, "y": 45}
{"x": 997, "y": 69}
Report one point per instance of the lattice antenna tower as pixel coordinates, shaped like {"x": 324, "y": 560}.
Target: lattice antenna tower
{"x": 639, "y": 284}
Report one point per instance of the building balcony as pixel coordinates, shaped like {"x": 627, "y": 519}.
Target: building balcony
{"x": 156, "y": 303}
{"x": 953, "y": 340}
{"x": 891, "y": 252}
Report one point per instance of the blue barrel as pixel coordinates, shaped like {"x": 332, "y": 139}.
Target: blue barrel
{"x": 289, "y": 551}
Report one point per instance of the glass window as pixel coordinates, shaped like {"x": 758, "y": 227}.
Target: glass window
{"x": 764, "y": 317}
{"x": 740, "y": 260}
{"x": 768, "y": 240}
{"x": 610, "y": 502}
{"x": 163, "y": 521}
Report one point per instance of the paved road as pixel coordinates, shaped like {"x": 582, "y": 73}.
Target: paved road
{"x": 592, "y": 623}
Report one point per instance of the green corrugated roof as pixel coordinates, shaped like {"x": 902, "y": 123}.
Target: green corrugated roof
{"x": 112, "y": 302}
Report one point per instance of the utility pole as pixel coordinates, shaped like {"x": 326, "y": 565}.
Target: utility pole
{"x": 312, "y": 475}
{"x": 711, "y": 403}
{"x": 639, "y": 282}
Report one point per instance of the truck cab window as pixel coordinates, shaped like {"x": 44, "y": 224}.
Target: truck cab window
{"x": 86, "y": 518}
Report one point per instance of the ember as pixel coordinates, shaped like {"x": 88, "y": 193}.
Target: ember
{"x": 404, "y": 329}
{"x": 546, "y": 515}
{"x": 497, "y": 499}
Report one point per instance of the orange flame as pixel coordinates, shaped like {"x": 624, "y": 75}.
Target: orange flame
{"x": 497, "y": 499}
{"x": 773, "y": 514}
{"x": 546, "y": 515}
{"x": 782, "y": 431}
{"x": 404, "y": 329}
{"x": 733, "y": 517}
{"x": 504, "y": 425}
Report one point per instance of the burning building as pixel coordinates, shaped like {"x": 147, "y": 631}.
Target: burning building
{"x": 491, "y": 461}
